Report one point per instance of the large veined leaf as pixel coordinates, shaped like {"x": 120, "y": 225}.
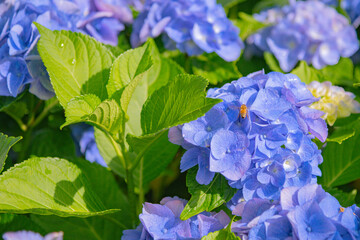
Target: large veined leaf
{"x": 342, "y": 161}
{"x": 5, "y": 144}
{"x": 77, "y": 64}
{"x": 104, "y": 227}
{"x": 48, "y": 186}
{"x": 157, "y": 152}
{"x": 223, "y": 234}
{"x": 181, "y": 100}
{"x": 106, "y": 115}
{"x": 205, "y": 197}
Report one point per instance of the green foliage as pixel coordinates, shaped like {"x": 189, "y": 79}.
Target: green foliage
{"x": 181, "y": 101}
{"x": 77, "y": 64}
{"x": 5, "y": 144}
{"x": 248, "y": 25}
{"x": 157, "y": 152}
{"x": 13, "y": 222}
{"x": 306, "y": 73}
{"x": 229, "y": 3}
{"x": 340, "y": 134}
{"x": 346, "y": 199}
{"x": 49, "y": 186}
{"x": 106, "y": 115}
{"x": 223, "y": 234}
{"x": 272, "y": 62}
{"x": 342, "y": 161}
{"x": 104, "y": 227}
{"x": 214, "y": 68}
{"x": 205, "y": 197}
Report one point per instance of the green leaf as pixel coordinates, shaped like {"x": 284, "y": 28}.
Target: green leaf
{"x": 223, "y": 234}
{"x": 206, "y": 197}
{"x": 77, "y": 64}
{"x": 229, "y": 3}
{"x": 340, "y": 134}
{"x": 106, "y": 115}
{"x": 128, "y": 83}
{"x": 272, "y": 62}
{"x": 105, "y": 227}
{"x": 180, "y": 101}
{"x": 306, "y": 73}
{"x": 157, "y": 153}
{"x": 15, "y": 223}
{"x": 48, "y": 186}
{"x": 214, "y": 68}
{"x": 107, "y": 151}
{"x": 52, "y": 143}
{"x": 248, "y": 25}
{"x": 346, "y": 199}
{"x": 341, "y": 161}
{"x": 5, "y": 144}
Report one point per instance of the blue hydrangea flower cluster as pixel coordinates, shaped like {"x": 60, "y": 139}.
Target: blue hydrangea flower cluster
{"x": 86, "y": 146}
{"x": 352, "y": 8}
{"x": 192, "y": 26}
{"x": 259, "y": 137}
{"x": 302, "y": 213}
{"x": 20, "y": 63}
{"x": 309, "y": 31}
{"x": 162, "y": 221}
{"x": 28, "y": 235}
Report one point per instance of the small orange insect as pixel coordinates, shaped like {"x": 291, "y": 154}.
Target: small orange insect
{"x": 244, "y": 111}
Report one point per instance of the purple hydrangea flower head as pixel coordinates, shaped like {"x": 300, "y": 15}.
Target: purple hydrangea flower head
{"x": 85, "y": 139}
{"x": 191, "y": 26}
{"x": 27, "y": 235}
{"x": 162, "y": 221}
{"x": 259, "y": 137}
{"x": 309, "y": 31}
{"x": 307, "y": 212}
{"x": 20, "y": 63}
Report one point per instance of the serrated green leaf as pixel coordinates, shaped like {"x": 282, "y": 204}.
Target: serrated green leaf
{"x": 157, "y": 153}
{"x": 272, "y": 62}
{"x": 180, "y": 101}
{"x": 340, "y": 134}
{"x": 106, "y": 227}
{"x": 48, "y": 186}
{"x": 223, "y": 234}
{"x": 248, "y": 25}
{"x": 5, "y": 144}
{"x": 346, "y": 199}
{"x": 341, "y": 161}
{"x": 106, "y": 115}
{"x": 52, "y": 143}
{"x": 214, "y": 68}
{"x": 77, "y": 64}
{"x": 205, "y": 197}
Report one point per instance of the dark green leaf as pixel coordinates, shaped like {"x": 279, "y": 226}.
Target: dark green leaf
{"x": 206, "y": 197}
{"x": 5, "y": 144}
{"x": 272, "y": 62}
{"x": 346, "y": 199}
{"x": 182, "y": 100}
{"x": 340, "y": 134}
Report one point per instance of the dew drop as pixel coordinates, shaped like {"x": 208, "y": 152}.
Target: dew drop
{"x": 61, "y": 45}
{"x": 73, "y": 61}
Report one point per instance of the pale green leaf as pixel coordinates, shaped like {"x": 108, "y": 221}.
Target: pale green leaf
{"x": 306, "y": 73}
{"x": 341, "y": 161}
{"x": 214, "y": 68}
{"x": 48, "y": 186}
{"x": 205, "y": 197}
{"x": 272, "y": 62}
{"x": 229, "y": 3}
{"x": 106, "y": 115}
{"x": 77, "y": 64}
{"x": 5, "y": 144}
{"x": 223, "y": 234}
{"x": 180, "y": 101}
{"x": 156, "y": 151}
{"x": 105, "y": 227}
